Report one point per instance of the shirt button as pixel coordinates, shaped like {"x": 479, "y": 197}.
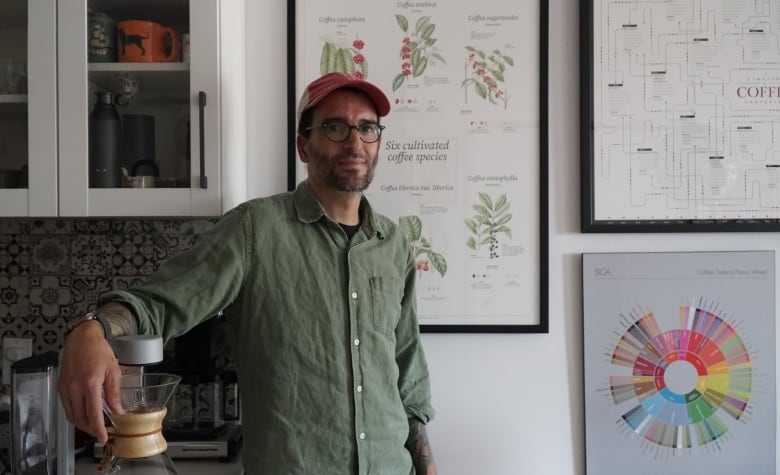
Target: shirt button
{"x": 362, "y": 435}
{"x": 357, "y": 342}
{"x": 359, "y": 389}
{"x": 354, "y": 295}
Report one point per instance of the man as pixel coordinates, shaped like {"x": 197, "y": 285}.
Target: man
{"x": 318, "y": 293}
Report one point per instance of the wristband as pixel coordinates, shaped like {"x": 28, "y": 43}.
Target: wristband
{"x": 87, "y": 317}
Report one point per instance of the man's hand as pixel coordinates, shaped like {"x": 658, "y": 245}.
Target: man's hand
{"x": 87, "y": 368}
{"x": 418, "y": 446}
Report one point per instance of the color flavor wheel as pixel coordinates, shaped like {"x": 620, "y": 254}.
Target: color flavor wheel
{"x": 684, "y": 380}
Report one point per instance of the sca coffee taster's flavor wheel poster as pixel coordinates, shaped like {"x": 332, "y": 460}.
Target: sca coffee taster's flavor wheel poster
{"x": 679, "y": 353}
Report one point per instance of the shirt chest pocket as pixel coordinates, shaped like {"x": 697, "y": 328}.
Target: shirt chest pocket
{"x": 386, "y": 295}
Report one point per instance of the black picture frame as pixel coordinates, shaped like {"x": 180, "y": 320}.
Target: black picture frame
{"x": 594, "y": 219}
{"x": 541, "y": 325}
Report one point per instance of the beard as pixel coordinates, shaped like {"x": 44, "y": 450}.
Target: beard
{"x": 327, "y": 171}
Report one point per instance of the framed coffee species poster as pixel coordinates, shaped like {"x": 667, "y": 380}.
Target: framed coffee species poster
{"x": 462, "y": 162}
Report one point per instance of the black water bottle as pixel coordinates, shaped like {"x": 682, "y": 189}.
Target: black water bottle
{"x": 105, "y": 136}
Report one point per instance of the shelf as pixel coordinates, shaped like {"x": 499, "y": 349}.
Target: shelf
{"x": 140, "y": 67}
{"x": 13, "y": 98}
{"x": 153, "y": 77}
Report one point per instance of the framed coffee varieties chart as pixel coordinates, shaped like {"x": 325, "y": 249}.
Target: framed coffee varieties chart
{"x": 680, "y": 116}
{"x": 462, "y": 165}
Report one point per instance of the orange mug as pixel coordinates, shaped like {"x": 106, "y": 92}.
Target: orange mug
{"x": 146, "y": 41}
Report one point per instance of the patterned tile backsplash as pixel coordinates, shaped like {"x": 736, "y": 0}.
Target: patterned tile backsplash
{"x": 53, "y": 269}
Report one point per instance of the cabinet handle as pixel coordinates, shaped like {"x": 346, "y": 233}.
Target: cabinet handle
{"x": 204, "y": 181}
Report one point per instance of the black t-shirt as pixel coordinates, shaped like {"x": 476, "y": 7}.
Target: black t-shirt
{"x": 350, "y": 229}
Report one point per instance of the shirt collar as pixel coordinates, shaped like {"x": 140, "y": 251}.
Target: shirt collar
{"x": 310, "y": 210}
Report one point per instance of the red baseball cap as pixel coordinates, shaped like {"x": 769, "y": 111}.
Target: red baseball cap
{"x": 321, "y": 87}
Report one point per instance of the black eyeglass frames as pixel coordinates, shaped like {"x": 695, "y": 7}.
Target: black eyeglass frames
{"x": 337, "y": 131}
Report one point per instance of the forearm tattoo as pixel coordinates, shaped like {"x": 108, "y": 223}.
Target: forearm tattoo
{"x": 418, "y": 446}
{"x": 119, "y": 319}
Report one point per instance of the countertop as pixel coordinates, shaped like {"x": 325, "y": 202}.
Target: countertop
{"x": 88, "y": 466}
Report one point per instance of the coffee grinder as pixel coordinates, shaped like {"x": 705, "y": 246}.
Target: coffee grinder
{"x": 203, "y": 415}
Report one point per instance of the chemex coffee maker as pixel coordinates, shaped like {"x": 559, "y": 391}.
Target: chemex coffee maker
{"x": 136, "y": 444}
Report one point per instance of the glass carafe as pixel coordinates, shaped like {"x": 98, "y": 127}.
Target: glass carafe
{"x": 136, "y": 444}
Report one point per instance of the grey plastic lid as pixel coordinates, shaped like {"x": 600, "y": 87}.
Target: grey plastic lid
{"x": 138, "y": 350}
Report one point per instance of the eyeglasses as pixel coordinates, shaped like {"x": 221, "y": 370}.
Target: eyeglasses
{"x": 339, "y": 131}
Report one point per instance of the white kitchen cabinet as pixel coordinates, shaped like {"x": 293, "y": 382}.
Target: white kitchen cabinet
{"x": 28, "y": 109}
{"x": 52, "y": 120}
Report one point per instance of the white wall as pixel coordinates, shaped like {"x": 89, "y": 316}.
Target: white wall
{"x": 507, "y": 404}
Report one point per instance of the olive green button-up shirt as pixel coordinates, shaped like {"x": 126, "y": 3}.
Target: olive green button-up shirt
{"x": 323, "y": 331}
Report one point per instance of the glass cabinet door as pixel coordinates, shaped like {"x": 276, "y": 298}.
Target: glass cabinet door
{"x": 139, "y": 108}
{"x": 28, "y": 108}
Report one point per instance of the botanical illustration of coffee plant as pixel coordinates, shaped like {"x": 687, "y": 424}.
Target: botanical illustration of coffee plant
{"x": 421, "y": 248}
{"x": 344, "y": 59}
{"x": 416, "y": 48}
{"x": 490, "y": 220}
{"x": 485, "y": 73}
